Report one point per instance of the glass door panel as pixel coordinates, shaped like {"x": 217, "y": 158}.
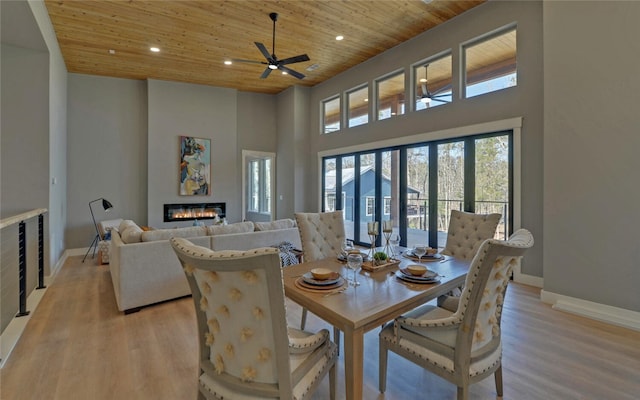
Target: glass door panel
{"x": 367, "y": 195}
{"x": 417, "y": 193}
{"x": 450, "y": 185}
{"x": 492, "y": 180}
{"x": 329, "y": 198}
{"x": 348, "y": 194}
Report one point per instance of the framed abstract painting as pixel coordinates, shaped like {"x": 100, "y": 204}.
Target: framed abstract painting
{"x": 195, "y": 166}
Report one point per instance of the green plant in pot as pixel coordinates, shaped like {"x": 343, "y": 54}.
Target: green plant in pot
{"x": 379, "y": 258}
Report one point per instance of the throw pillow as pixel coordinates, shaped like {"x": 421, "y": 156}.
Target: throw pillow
{"x": 131, "y": 234}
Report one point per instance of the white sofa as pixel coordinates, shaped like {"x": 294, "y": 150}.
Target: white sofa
{"x": 145, "y": 270}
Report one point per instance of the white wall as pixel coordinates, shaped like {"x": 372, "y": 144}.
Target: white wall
{"x": 591, "y": 142}
{"x": 178, "y": 109}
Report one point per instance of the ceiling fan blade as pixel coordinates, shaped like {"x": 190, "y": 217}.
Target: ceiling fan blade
{"x": 247, "y": 61}
{"x": 440, "y": 100}
{"x": 291, "y": 72}
{"x": 264, "y": 52}
{"x": 266, "y": 73}
{"x": 296, "y": 59}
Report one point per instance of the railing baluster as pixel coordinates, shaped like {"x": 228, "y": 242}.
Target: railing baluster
{"x": 22, "y": 269}
{"x": 41, "y": 284}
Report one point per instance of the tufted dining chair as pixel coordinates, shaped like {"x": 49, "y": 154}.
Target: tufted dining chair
{"x": 246, "y": 349}
{"x": 467, "y": 231}
{"x": 462, "y": 346}
{"x": 321, "y": 236}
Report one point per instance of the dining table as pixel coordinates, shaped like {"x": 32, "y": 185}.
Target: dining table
{"x": 379, "y": 298}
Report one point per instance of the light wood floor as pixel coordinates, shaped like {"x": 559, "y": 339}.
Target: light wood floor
{"x": 78, "y": 346}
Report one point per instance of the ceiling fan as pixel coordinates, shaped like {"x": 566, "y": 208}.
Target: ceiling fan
{"x": 273, "y": 62}
{"x": 427, "y": 97}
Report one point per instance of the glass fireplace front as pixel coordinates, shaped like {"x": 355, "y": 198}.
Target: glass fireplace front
{"x": 189, "y": 212}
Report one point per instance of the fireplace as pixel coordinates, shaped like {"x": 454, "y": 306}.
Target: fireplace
{"x": 189, "y": 212}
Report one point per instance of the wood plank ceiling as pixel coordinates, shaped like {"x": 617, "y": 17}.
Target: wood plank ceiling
{"x": 196, "y": 37}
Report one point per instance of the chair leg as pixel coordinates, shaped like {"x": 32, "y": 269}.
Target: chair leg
{"x": 382, "y": 367}
{"x": 303, "y": 320}
{"x": 498, "y": 377}
{"x": 332, "y": 382}
{"x": 336, "y": 338}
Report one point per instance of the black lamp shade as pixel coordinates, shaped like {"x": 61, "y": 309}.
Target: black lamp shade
{"x": 106, "y": 205}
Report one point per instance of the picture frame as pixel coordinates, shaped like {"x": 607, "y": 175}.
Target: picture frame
{"x": 195, "y": 166}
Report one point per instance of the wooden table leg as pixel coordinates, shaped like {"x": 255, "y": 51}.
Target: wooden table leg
{"x": 353, "y": 363}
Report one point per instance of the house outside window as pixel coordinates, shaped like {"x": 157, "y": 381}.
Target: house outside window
{"x": 370, "y": 205}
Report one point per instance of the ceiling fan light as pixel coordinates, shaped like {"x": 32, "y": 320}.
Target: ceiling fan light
{"x": 425, "y": 100}
{"x": 273, "y": 66}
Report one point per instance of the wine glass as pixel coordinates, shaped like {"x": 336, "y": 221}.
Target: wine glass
{"x": 420, "y": 250}
{"x": 394, "y": 239}
{"x": 354, "y": 262}
{"x": 347, "y": 245}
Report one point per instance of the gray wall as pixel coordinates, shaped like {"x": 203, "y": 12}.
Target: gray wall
{"x": 591, "y": 144}
{"x": 33, "y": 120}
{"x": 525, "y": 101}
{"x": 293, "y": 151}
{"x": 178, "y": 109}
{"x": 25, "y": 130}
{"x": 107, "y": 152}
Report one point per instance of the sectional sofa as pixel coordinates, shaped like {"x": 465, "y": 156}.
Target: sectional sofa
{"x": 145, "y": 270}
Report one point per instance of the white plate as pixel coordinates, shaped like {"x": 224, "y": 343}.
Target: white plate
{"x": 427, "y": 276}
{"x": 413, "y": 279}
{"x": 308, "y": 278}
{"x": 409, "y": 254}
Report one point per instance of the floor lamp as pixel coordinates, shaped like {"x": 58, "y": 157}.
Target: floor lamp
{"x": 106, "y": 206}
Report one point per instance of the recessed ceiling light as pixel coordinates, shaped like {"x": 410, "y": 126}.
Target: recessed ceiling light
{"x": 339, "y": 37}
{"x": 154, "y": 49}
{"x": 112, "y": 51}
{"x": 423, "y": 80}
{"x": 312, "y": 67}
{"x": 284, "y": 73}
{"x": 227, "y": 62}
{"x": 366, "y": 100}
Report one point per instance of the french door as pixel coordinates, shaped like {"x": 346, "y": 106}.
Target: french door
{"x": 416, "y": 186}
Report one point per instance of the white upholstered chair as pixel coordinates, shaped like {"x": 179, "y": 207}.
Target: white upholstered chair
{"x": 467, "y": 231}
{"x": 246, "y": 349}
{"x": 462, "y": 346}
{"x": 321, "y": 236}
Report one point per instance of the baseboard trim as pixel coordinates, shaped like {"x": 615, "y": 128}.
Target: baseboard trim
{"x": 600, "y": 312}
{"x": 525, "y": 279}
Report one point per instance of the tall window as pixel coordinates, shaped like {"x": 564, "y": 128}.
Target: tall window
{"x": 432, "y": 83}
{"x": 331, "y": 115}
{"x": 259, "y": 181}
{"x": 417, "y": 185}
{"x": 500, "y": 72}
{"x": 390, "y": 96}
{"x": 358, "y": 106}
